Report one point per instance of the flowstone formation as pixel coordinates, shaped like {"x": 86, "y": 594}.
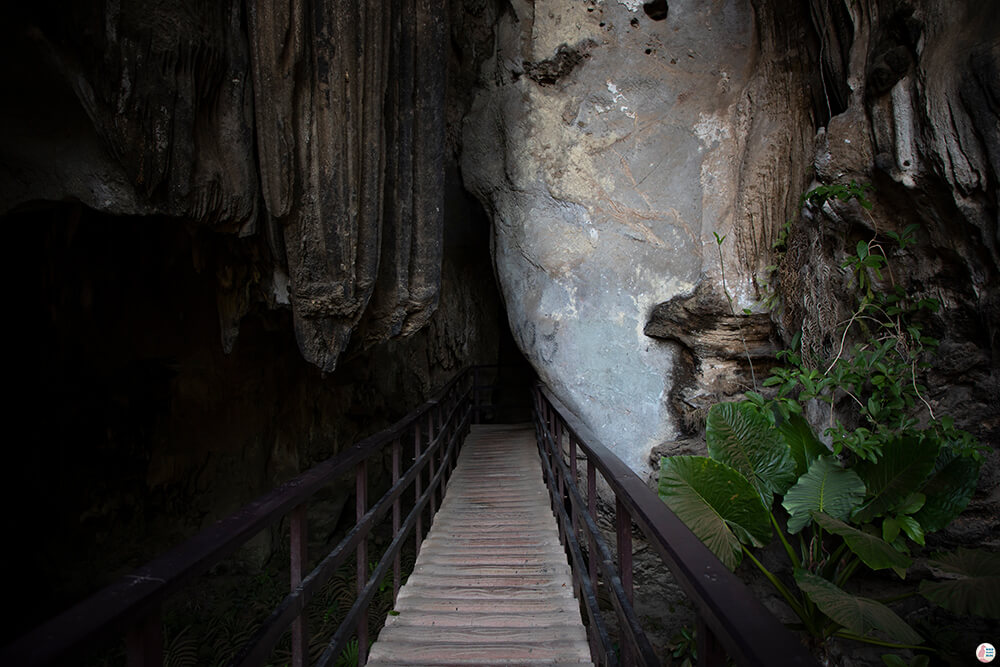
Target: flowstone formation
{"x": 181, "y": 109}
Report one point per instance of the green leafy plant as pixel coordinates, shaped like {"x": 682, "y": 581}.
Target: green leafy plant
{"x": 684, "y": 647}
{"x": 890, "y": 475}
{"x": 729, "y": 501}
{"x": 349, "y": 656}
{"x": 880, "y": 374}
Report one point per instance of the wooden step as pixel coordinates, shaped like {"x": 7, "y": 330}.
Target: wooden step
{"x": 538, "y": 581}
{"x": 479, "y": 653}
{"x": 451, "y": 619}
{"x": 535, "y": 636}
{"x": 547, "y": 569}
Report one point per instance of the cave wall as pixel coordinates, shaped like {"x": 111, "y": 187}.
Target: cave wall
{"x": 243, "y": 244}
{"x": 628, "y": 141}
{"x": 319, "y": 126}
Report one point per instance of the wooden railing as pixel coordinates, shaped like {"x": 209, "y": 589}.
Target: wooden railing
{"x": 729, "y": 619}
{"x": 132, "y": 606}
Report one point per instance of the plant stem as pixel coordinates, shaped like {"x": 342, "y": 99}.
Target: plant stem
{"x": 847, "y": 572}
{"x": 913, "y": 378}
{"x": 792, "y": 556}
{"x": 783, "y": 590}
{"x": 831, "y": 565}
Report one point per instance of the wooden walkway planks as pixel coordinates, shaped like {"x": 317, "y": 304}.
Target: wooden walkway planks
{"x": 491, "y": 585}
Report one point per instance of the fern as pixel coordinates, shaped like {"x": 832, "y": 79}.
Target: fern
{"x": 181, "y": 650}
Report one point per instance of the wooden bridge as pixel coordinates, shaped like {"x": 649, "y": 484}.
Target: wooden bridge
{"x": 492, "y": 584}
{"x": 508, "y": 573}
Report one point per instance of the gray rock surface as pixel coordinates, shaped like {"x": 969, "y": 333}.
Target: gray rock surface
{"x": 609, "y": 148}
{"x": 612, "y": 148}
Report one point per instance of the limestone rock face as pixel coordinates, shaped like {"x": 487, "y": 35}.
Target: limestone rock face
{"x": 181, "y": 108}
{"x": 914, "y": 94}
{"x": 610, "y": 147}
{"x": 130, "y": 109}
{"x": 350, "y": 109}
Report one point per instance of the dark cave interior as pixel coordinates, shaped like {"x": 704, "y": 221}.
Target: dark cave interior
{"x": 137, "y": 429}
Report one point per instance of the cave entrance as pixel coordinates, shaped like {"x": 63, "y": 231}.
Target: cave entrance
{"x": 514, "y": 380}
{"x": 468, "y": 230}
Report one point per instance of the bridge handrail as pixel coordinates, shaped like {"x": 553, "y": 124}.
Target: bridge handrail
{"x": 132, "y": 604}
{"x": 730, "y": 619}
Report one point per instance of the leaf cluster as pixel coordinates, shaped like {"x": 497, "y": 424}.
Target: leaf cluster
{"x": 853, "y": 190}
{"x": 844, "y": 516}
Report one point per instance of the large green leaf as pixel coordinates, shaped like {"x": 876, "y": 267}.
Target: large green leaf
{"x": 826, "y": 487}
{"x": 717, "y": 503}
{"x": 972, "y": 584}
{"x": 804, "y": 445}
{"x": 873, "y": 551}
{"x": 742, "y": 438}
{"x": 948, "y": 491}
{"x": 860, "y": 616}
{"x": 905, "y": 465}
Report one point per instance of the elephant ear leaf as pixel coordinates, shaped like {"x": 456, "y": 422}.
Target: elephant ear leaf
{"x": 742, "y": 438}
{"x": 971, "y": 583}
{"x": 948, "y": 491}
{"x": 860, "y": 616}
{"x": 905, "y": 465}
{"x": 874, "y": 552}
{"x": 826, "y": 487}
{"x": 717, "y": 503}
{"x": 804, "y": 445}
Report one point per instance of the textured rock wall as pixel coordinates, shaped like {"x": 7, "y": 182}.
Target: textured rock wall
{"x": 612, "y": 144}
{"x": 918, "y": 116}
{"x": 335, "y": 86}
{"x": 622, "y": 144}
{"x": 174, "y": 173}
{"x": 182, "y": 108}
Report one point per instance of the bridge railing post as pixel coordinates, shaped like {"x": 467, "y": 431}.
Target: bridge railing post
{"x": 431, "y": 468}
{"x": 476, "y": 403}
{"x": 361, "y": 488}
{"x": 418, "y": 489}
{"x": 560, "y": 481}
{"x": 397, "y": 568}
{"x": 592, "y": 510}
{"x": 298, "y": 549}
{"x": 623, "y": 531}
{"x": 144, "y": 642}
{"x": 711, "y": 653}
